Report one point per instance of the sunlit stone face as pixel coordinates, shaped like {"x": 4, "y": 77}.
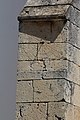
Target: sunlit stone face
{"x": 46, "y": 2}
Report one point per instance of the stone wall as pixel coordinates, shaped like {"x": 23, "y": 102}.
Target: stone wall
{"x": 48, "y": 71}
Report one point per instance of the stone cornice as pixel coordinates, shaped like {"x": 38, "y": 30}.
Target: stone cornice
{"x": 44, "y": 13}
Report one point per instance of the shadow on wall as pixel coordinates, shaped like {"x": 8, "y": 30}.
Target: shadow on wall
{"x": 43, "y": 30}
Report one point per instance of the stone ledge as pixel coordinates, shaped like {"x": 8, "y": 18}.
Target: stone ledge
{"x": 46, "y": 13}
{"x": 46, "y": 2}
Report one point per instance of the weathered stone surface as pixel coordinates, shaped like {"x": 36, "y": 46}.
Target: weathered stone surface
{"x": 72, "y": 14}
{"x": 48, "y": 69}
{"x": 31, "y": 111}
{"x": 51, "y": 51}
{"x": 54, "y": 74}
{"x": 46, "y": 2}
{"x": 73, "y": 35}
{"x": 59, "y": 51}
{"x": 57, "y": 31}
{"x": 45, "y": 31}
{"x": 25, "y": 38}
{"x": 27, "y": 52}
{"x": 24, "y": 91}
{"x": 30, "y": 66}
{"x": 76, "y": 95}
{"x": 70, "y": 33}
{"x": 76, "y": 3}
{"x": 32, "y": 75}
{"x": 76, "y": 113}
{"x": 60, "y": 111}
{"x": 48, "y": 85}
{"x": 63, "y": 111}
{"x": 73, "y": 73}
{"x": 62, "y": 69}
{"x": 57, "y": 11}
{"x": 56, "y": 65}
{"x": 47, "y": 65}
{"x": 52, "y": 90}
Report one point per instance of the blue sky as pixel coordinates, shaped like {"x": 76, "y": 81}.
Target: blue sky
{"x": 9, "y": 10}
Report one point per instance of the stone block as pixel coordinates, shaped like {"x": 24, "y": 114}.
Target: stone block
{"x": 62, "y": 69}
{"x": 30, "y": 66}
{"x": 56, "y": 65}
{"x": 44, "y": 32}
{"x": 70, "y": 33}
{"x": 24, "y": 91}
{"x": 52, "y": 90}
{"x": 54, "y": 74}
{"x": 75, "y": 99}
{"x": 76, "y": 113}
{"x": 72, "y": 54}
{"x": 57, "y": 11}
{"x": 31, "y": 111}
{"x": 73, "y": 35}
{"x": 31, "y": 70}
{"x": 60, "y": 111}
{"x": 63, "y": 111}
{"x": 46, "y": 2}
{"x": 27, "y": 51}
{"x": 51, "y": 51}
{"x": 57, "y": 51}
{"x": 32, "y": 75}
{"x": 72, "y": 14}
{"x": 57, "y": 31}
{"x": 73, "y": 73}
{"x": 65, "y": 32}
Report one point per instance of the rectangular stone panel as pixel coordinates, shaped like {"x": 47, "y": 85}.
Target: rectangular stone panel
{"x": 27, "y": 51}
{"x": 31, "y": 111}
{"x": 24, "y": 92}
{"x": 52, "y": 90}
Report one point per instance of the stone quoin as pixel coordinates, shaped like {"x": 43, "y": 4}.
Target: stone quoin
{"x": 48, "y": 69}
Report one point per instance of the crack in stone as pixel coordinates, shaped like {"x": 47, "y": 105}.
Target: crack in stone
{"x": 21, "y": 112}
